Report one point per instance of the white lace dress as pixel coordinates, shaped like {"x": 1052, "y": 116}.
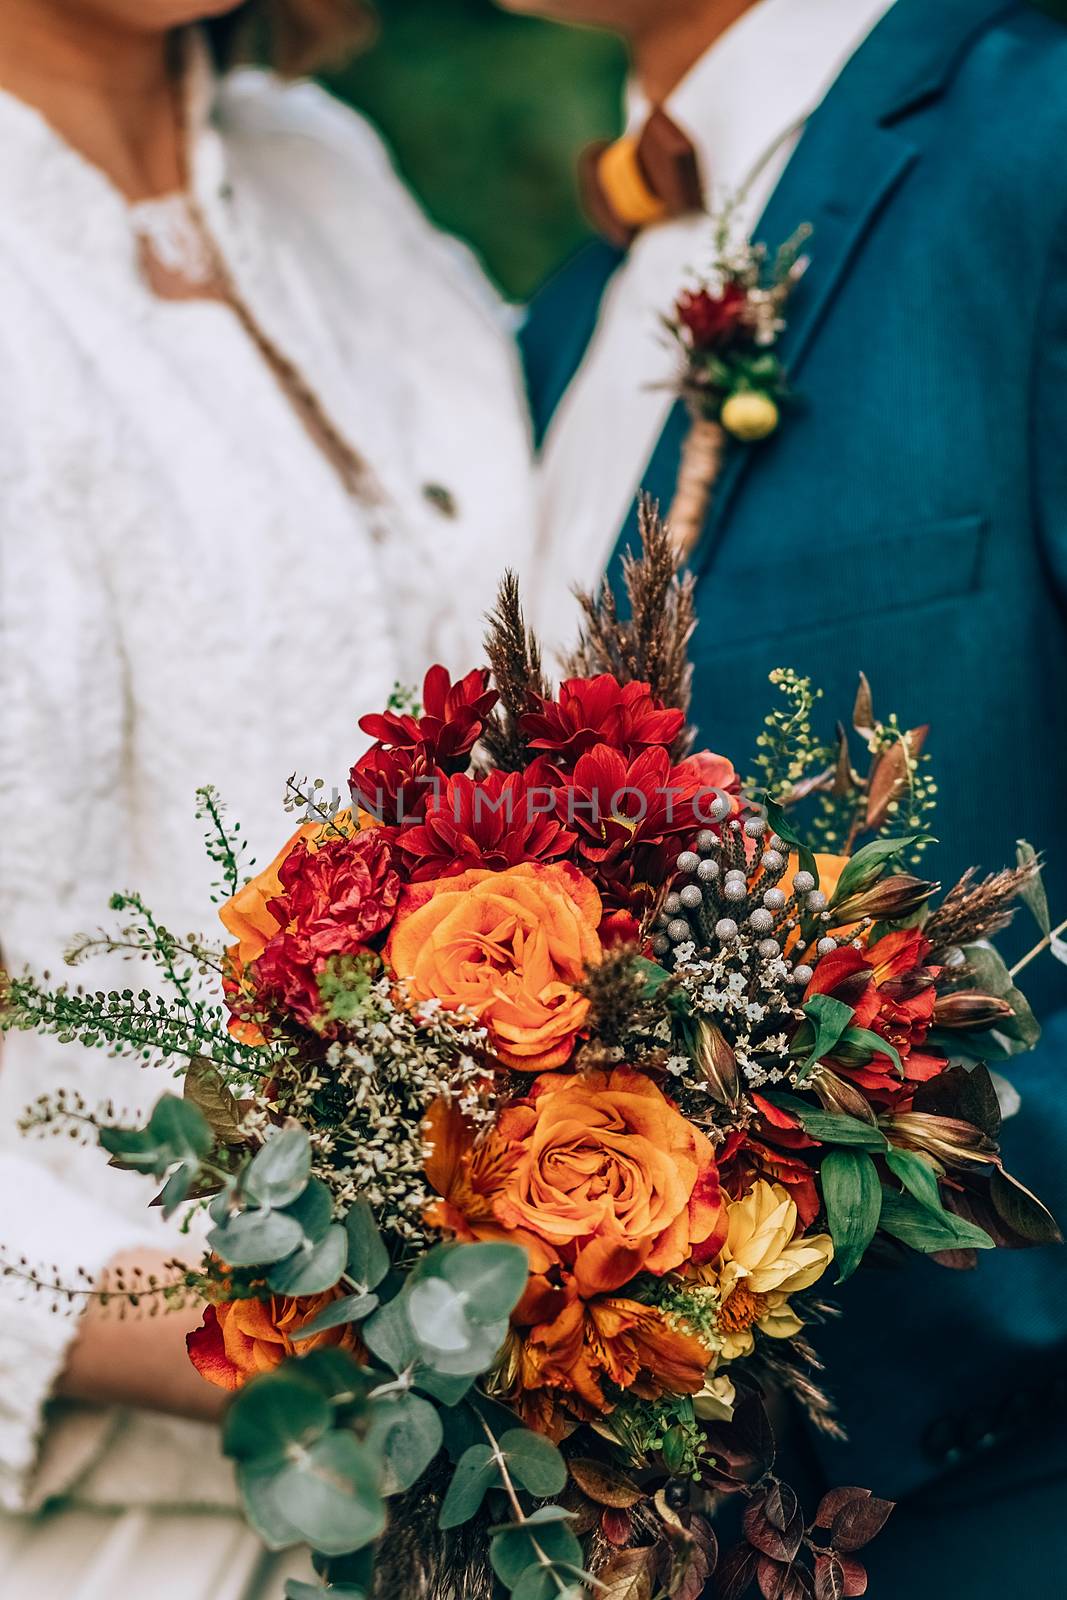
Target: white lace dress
{"x": 190, "y": 593}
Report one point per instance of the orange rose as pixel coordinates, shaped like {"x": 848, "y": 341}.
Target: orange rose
{"x": 510, "y": 947}
{"x": 612, "y": 1175}
{"x": 241, "y": 1338}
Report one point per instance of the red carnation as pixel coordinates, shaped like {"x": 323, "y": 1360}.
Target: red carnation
{"x": 747, "y": 1155}
{"x": 495, "y": 822}
{"x": 592, "y": 711}
{"x": 285, "y": 978}
{"x": 339, "y": 896}
{"x": 893, "y": 994}
{"x": 710, "y": 320}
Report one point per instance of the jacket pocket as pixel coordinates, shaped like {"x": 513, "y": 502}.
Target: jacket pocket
{"x": 835, "y": 583}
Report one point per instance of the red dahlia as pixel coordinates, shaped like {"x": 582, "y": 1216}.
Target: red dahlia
{"x": 712, "y": 320}
{"x": 592, "y": 711}
{"x": 495, "y": 822}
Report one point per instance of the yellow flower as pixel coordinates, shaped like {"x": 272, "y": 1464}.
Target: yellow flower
{"x": 761, "y": 1264}
{"x": 715, "y": 1402}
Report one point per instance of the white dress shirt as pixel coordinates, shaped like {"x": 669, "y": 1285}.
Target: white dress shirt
{"x": 743, "y": 105}
{"x": 188, "y": 595}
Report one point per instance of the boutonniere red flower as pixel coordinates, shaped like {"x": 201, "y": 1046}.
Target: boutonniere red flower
{"x": 727, "y": 327}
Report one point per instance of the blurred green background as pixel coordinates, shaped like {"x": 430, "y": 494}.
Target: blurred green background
{"x": 486, "y": 113}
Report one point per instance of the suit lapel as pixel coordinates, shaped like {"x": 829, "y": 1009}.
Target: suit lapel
{"x": 852, "y": 157}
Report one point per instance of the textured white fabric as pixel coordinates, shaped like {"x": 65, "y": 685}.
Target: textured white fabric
{"x": 189, "y": 595}
{"x": 744, "y": 100}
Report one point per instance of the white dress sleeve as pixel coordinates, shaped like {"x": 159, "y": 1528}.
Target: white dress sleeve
{"x": 61, "y": 711}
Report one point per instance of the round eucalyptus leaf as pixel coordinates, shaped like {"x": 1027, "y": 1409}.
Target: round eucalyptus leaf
{"x": 407, "y": 1433}
{"x": 272, "y": 1418}
{"x": 536, "y": 1583}
{"x": 256, "y": 1238}
{"x": 511, "y": 1550}
{"x": 535, "y": 1462}
{"x": 492, "y": 1277}
{"x": 256, "y": 1488}
{"x": 332, "y": 1495}
{"x": 476, "y": 1472}
{"x": 313, "y": 1209}
{"x": 368, "y": 1258}
{"x": 338, "y": 1314}
{"x": 313, "y": 1268}
{"x": 438, "y": 1316}
{"x": 278, "y": 1172}
{"x": 388, "y": 1335}
{"x": 178, "y": 1125}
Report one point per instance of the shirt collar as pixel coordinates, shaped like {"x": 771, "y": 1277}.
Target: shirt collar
{"x": 50, "y": 187}
{"x": 764, "y": 76}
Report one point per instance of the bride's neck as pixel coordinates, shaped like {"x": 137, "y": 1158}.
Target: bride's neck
{"x": 664, "y": 52}
{"x": 108, "y": 91}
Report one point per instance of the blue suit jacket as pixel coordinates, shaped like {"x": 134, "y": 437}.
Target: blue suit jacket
{"x": 910, "y": 519}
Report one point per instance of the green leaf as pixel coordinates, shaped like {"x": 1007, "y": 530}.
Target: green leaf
{"x": 918, "y": 1177}
{"x": 295, "y": 1590}
{"x": 278, "y": 1172}
{"x": 536, "y": 1583}
{"x": 654, "y": 975}
{"x": 511, "y": 1550}
{"x": 176, "y": 1188}
{"x": 1033, "y": 895}
{"x": 407, "y": 1433}
{"x": 313, "y": 1268}
{"x": 1014, "y": 1037}
{"x": 438, "y": 1316}
{"x": 916, "y": 1226}
{"x": 872, "y": 1044}
{"x": 868, "y": 864}
{"x": 389, "y": 1336}
{"x": 831, "y": 1127}
{"x": 830, "y": 1018}
{"x": 313, "y": 1209}
{"x": 271, "y": 1418}
{"x": 492, "y": 1278}
{"x": 476, "y": 1472}
{"x": 256, "y": 1486}
{"x": 338, "y": 1314}
{"x": 176, "y": 1132}
{"x": 332, "y": 1496}
{"x": 368, "y": 1258}
{"x": 535, "y": 1462}
{"x": 852, "y": 1194}
{"x": 256, "y": 1238}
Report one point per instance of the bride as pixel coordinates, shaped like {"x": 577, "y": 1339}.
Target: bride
{"x": 261, "y": 434}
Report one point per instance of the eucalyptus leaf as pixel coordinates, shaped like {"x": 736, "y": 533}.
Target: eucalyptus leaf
{"x": 313, "y": 1209}
{"x": 278, "y": 1173}
{"x": 368, "y": 1258}
{"x": 535, "y": 1462}
{"x": 295, "y": 1590}
{"x": 852, "y": 1194}
{"x": 313, "y": 1268}
{"x": 338, "y": 1314}
{"x": 272, "y": 1418}
{"x": 407, "y": 1433}
{"x": 438, "y": 1315}
{"x": 256, "y": 1486}
{"x": 536, "y": 1583}
{"x": 331, "y": 1494}
{"x": 256, "y": 1238}
{"x": 476, "y": 1472}
{"x": 491, "y": 1277}
{"x": 511, "y": 1550}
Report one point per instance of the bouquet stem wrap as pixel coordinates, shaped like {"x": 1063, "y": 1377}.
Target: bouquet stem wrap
{"x": 701, "y": 463}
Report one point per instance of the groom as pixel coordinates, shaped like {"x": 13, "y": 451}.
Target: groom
{"x": 909, "y": 518}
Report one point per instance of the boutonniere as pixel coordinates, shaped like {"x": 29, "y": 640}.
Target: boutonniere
{"x": 733, "y": 382}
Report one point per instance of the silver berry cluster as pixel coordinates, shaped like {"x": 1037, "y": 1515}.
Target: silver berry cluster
{"x": 721, "y": 896}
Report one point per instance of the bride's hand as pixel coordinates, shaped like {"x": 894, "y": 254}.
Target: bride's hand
{"x": 139, "y": 1360}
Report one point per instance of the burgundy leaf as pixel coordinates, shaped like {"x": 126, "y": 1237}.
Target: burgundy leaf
{"x": 736, "y": 1571}
{"x": 857, "y": 1524}
{"x": 616, "y": 1526}
{"x": 835, "y": 1500}
{"x": 855, "y": 1574}
{"x": 771, "y": 1576}
{"x": 773, "y": 1523}
{"x": 829, "y": 1577}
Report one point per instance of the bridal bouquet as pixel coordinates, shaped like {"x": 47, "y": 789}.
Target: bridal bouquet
{"x": 539, "y": 1098}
